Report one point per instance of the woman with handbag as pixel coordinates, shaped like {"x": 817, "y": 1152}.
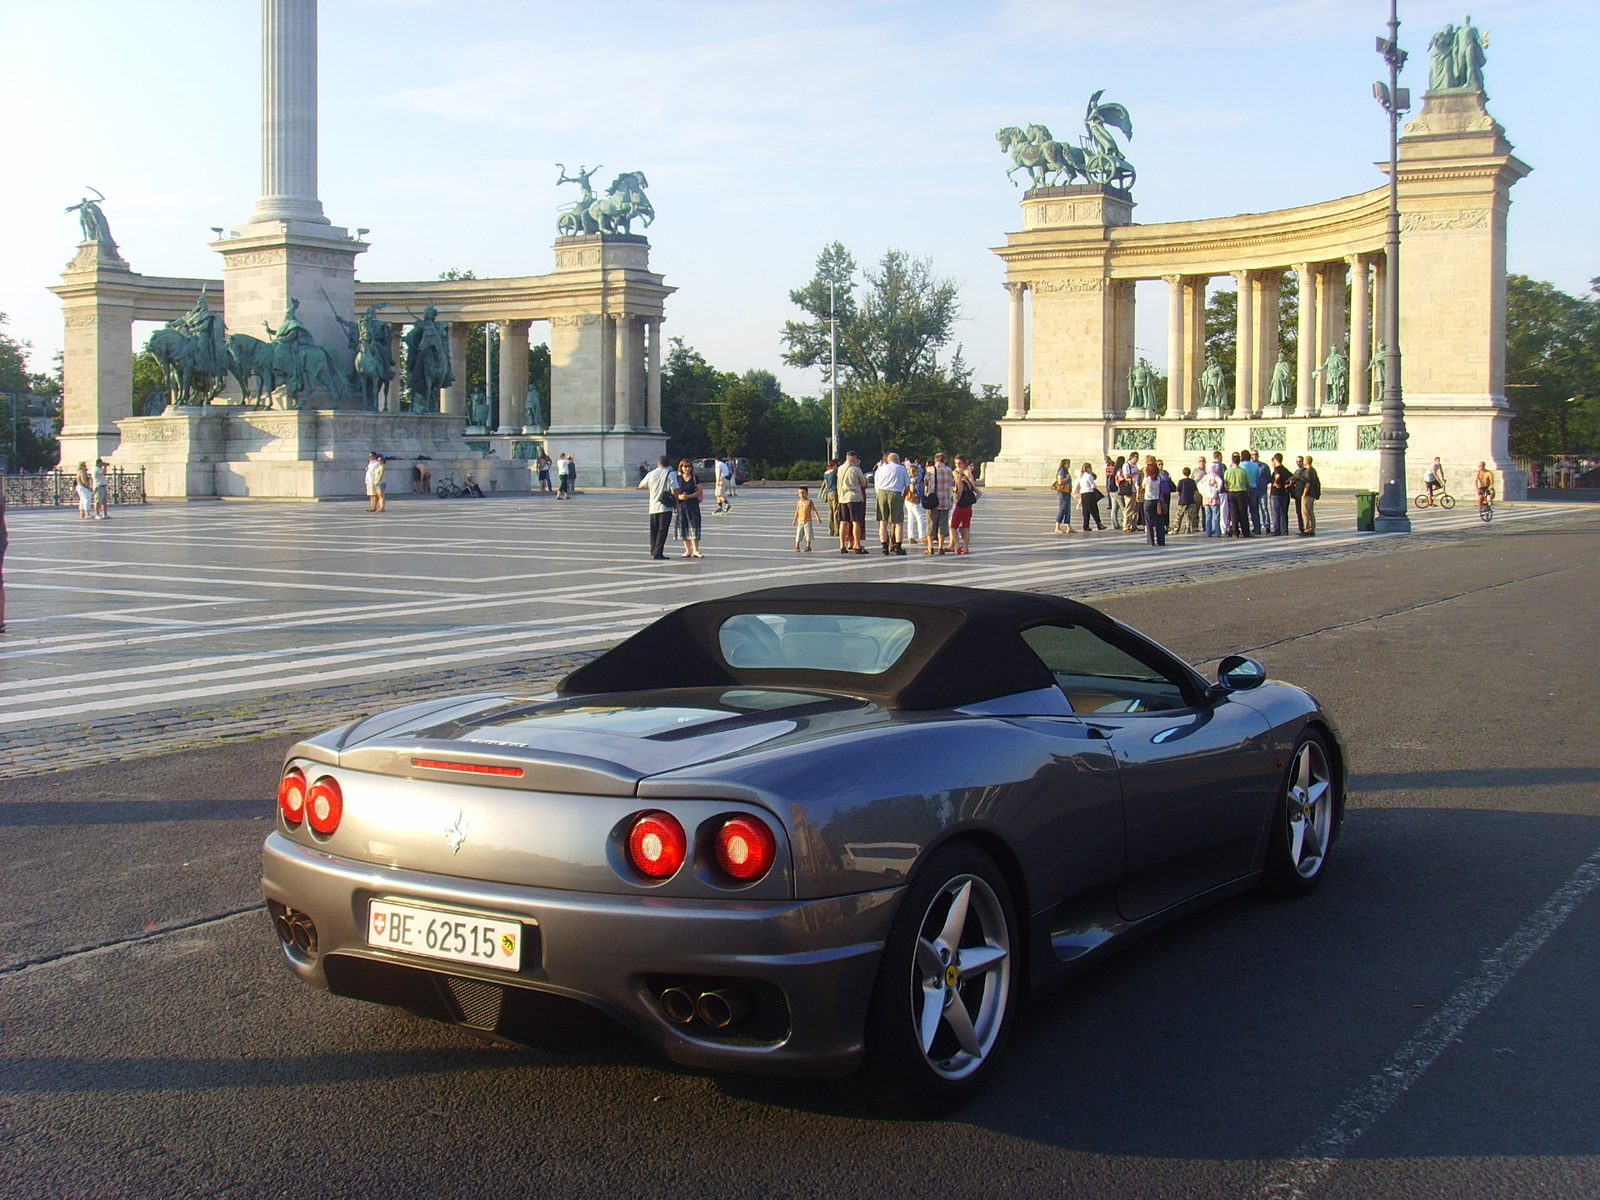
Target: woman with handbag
{"x": 1064, "y": 489}
{"x": 964, "y": 496}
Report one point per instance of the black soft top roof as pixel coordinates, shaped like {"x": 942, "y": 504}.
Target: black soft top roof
{"x": 967, "y": 646}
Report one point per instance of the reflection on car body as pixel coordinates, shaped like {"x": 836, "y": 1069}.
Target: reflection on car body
{"x": 840, "y": 830}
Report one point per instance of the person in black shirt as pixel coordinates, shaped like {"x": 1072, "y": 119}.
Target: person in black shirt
{"x": 1188, "y": 504}
{"x": 1278, "y": 492}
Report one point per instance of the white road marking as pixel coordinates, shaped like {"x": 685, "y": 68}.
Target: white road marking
{"x": 1316, "y": 1159}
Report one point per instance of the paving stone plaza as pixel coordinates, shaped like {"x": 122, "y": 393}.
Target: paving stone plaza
{"x": 174, "y": 625}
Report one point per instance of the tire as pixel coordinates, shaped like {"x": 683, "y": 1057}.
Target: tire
{"x": 907, "y": 1068}
{"x": 1447, "y": 501}
{"x": 1486, "y": 512}
{"x": 1305, "y": 821}
{"x": 441, "y": 491}
{"x": 1424, "y": 501}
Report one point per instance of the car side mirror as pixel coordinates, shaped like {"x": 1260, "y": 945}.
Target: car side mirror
{"x": 1236, "y": 673}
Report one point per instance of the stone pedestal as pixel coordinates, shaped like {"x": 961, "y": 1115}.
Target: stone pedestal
{"x": 99, "y": 297}
{"x": 309, "y": 454}
{"x": 267, "y": 263}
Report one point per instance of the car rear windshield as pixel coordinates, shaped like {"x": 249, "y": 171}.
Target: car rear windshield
{"x": 860, "y": 645}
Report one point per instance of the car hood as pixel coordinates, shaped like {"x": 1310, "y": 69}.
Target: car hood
{"x": 600, "y": 745}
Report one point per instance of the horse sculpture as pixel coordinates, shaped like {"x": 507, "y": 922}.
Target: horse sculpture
{"x": 1097, "y": 159}
{"x": 187, "y": 382}
{"x": 612, "y": 213}
{"x": 247, "y": 363}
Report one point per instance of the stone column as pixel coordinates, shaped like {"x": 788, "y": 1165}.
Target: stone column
{"x": 1360, "y": 334}
{"x": 1244, "y": 372}
{"x": 1380, "y": 284}
{"x": 1017, "y": 362}
{"x": 289, "y": 113}
{"x": 1305, "y": 402}
{"x": 453, "y": 399}
{"x": 1266, "y": 335}
{"x": 1121, "y": 296}
{"x": 1194, "y": 339}
{"x": 1176, "y": 389}
{"x": 623, "y": 370}
{"x": 1331, "y": 308}
{"x": 652, "y": 386}
{"x": 397, "y": 385}
{"x": 513, "y": 375}
{"x": 608, "y": 372}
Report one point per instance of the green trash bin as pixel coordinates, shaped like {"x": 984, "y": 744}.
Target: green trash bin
{"x": 1366, "y": 512}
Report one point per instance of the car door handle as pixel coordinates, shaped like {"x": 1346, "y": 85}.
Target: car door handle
{"x": 1099, "y": 731}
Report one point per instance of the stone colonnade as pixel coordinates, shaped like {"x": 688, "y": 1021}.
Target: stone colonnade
{"x": 1072, "y": 269}
{"x": 1324, "y": 324}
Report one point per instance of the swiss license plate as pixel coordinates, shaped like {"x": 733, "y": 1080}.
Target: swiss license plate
{"x": 487, "y": 941}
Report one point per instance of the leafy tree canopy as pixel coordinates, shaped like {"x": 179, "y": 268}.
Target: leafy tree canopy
{"x": 1552, "y": 368}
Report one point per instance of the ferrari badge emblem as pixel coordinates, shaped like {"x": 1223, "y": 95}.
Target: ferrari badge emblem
{"x": 456, "y": 833}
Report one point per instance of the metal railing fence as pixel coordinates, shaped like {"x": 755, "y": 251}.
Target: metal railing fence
{"x": 46, "y": 489}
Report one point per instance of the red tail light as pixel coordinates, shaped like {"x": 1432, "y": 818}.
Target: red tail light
{"x": 745, "y": 848}
{"x": 292, "y": 796}
{"x": 657, "y": 845}
{"x": 325, "y": 805}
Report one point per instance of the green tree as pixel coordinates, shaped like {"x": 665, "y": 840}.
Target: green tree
{"x": 691, "y": 391}
{"x": 1552, "y": 368}
{"x": 891, "y": 334}
{"x": 147, "y": 379}
{"x": 22, "y": 395}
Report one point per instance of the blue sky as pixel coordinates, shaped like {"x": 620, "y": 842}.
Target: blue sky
{"x": 766, "y": 130}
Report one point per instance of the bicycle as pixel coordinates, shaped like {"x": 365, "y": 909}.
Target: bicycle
{"x": 447, "y": 488}
{"x": 1438, "y": 498}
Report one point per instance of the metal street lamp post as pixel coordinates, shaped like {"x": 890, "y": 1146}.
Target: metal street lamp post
{"x": 1392, "y": 436}
{"x": 833, "y": 370}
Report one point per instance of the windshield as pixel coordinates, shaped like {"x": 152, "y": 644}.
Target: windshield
{"x": 859, "y": 645}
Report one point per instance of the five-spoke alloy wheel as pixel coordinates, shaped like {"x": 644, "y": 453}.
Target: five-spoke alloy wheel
{"x": 1305, "y": 822}
{"x": 946, "y": 988}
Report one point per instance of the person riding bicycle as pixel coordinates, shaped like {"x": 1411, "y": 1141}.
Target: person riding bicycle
{"x": 1434, "y": 479}
{"x": 1484, "y": 482}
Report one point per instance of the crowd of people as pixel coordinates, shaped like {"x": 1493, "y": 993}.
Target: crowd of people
{"x": 1242, "y": 497}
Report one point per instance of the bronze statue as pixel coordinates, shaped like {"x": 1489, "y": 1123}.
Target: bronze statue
{"x": 371, "y": 355}
{"x": 295, "y": 363}
{"x": 1098, "y": 158}
{"x": 428, "y": 359}
{"x": 1213, "y": 386}
{"x": 1280, "y": 391}
{"x": 192, "y": 354}
{"x": 1335, "y": 378}
{"x": 1457, "y": 58}
{"x": 92, "y": 221}
{"x": 612, "y": 213}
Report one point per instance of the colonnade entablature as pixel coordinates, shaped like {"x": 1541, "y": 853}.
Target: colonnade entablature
{"x": 1079, "y": 387}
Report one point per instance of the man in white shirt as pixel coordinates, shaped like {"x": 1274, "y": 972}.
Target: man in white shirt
{"x": 659, "y": 486}
{"x": 725, "y": 485}
{"x": 891, "y": 480}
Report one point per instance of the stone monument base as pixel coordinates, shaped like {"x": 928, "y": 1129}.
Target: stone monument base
{"x": 607, "y": 458}
{"x": 1345, "y": 446}
{"x": 208, "y": 451}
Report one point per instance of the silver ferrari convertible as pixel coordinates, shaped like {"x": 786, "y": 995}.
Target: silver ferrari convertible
{"x": 840, "y": 830}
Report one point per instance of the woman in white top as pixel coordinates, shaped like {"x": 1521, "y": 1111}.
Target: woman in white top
{"x": 1088, "y": 489}
{"x": 1211, "y": 494}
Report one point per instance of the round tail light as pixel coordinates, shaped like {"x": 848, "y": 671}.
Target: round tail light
{"x": 745, "y": 848}
{"x": 292, "y": 796}
{"x": 325, "y": 805}
{"x": 657, "y": 845}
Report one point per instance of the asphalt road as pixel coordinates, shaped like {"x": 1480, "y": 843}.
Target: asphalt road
{"x": 1422, "y": 1026}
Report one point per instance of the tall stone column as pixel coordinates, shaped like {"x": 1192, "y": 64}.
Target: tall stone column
{"x": 1121, "y": 296}
{"x": 652, "y": 385}
{"x": 1306, "y": 352}
{"x": 513, "y": 375}
{"x": 1244, "y": 371}
{"x": 1360, "y": 334}
{"x": 1176, "y": 389}
{"x": 397, "y": 385}
{"x": 608, "y": 372}
{"x": 1331, "y": 309}
{"x": 1267, "y": 284}
{"x": 453, "y": 399}
{"x": 1017, "y": 360}
{"x": 289, "y": 113}
{"x": 1194, "y": 339}
{"x": 623, "y": 371}
{"x": 1380, "y": 292}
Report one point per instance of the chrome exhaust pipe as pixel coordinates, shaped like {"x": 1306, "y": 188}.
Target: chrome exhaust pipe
{"x": 679, "y": 1005}
{"x": 724, "y": 1007}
